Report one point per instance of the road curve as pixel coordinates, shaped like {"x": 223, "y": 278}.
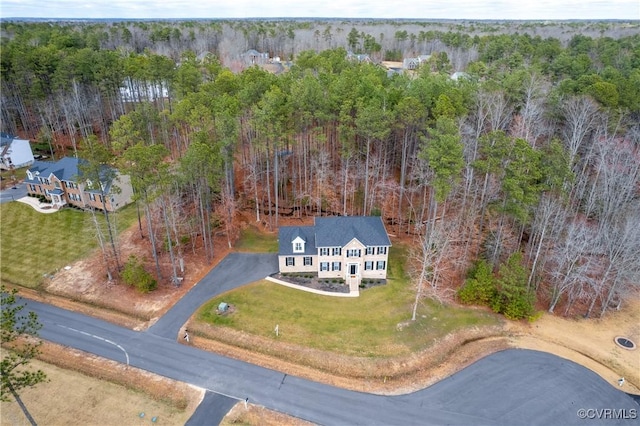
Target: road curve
{"x": 509, "y": 387}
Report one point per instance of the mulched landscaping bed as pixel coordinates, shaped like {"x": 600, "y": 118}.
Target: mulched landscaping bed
{"x": 312, "y": 281}
{"x": 324, "y": 284}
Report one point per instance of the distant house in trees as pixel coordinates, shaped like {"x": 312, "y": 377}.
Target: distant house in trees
{"x": 273, "y": 65}
{"x": 345, "y": 247}
{"x": 410, "y": 63}
{"x": 62, "y": 184}
{"x": 359, "y": 57}
{"x": 414, "y": 63}
{"x": 15, "y": 153}
{"x": 253, "y": 57}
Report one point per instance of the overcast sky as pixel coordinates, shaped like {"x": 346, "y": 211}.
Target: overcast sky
{"x": 410, "y": 9}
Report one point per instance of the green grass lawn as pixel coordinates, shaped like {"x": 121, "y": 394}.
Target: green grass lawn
{"x": 33, "y": 244}
{"x": 364, "y": 326}
{"x": 253, "y": 241}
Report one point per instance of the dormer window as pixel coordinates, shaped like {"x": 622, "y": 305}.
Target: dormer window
{"x": 30, "y": 175}
{"x": 298, "y": 245}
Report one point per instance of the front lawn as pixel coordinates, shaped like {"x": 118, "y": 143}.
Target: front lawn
{"x": 376, "y": 324}
{"x": 33, "y": 244}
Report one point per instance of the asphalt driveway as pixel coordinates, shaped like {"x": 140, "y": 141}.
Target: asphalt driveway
{"x": 211, "y": 410}
{"x": 235, "y": 270}
{"x": 13, "y": 193}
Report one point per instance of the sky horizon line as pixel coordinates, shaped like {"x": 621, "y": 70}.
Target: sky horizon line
{"x": 314, "y": 18}
{"x": 534, "y": 10}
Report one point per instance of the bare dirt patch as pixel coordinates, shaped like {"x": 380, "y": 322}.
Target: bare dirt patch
{"x": 84, "y": 285}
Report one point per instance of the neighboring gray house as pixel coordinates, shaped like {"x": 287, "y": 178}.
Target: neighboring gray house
{"x": 60, "y": 183}
{"x": 410, "y": 63}
{"x": 14, "y": 152}
{"x": 346, "y": 247}
{"x": 253, "y": 57}
{"x": 414, "y": 63}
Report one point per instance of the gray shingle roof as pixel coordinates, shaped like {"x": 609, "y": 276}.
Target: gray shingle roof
{"x": 67, "y": 169}
{"x": 287, "y": 234}
{"x": 64, "y": 169}
{"x": 339, "y": 230}
{"x": 39, "y": 167}
{"x": 334, "y": 232}
{"x": 6, "y": 139}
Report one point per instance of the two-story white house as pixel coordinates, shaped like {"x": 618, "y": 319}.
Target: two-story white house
{"x": 345, "y": 247}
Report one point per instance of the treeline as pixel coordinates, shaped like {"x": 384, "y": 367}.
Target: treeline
{"x": 533, "y": 156}
{"x": 75, "y": 70}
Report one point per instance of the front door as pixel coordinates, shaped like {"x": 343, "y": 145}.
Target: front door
{"x": 57, "y": 200}
{"x": 353, "y": 269}
{"x": 353, "y": 280}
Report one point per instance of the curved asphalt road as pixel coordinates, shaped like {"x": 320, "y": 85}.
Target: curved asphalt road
{"x": 510, "y": 387}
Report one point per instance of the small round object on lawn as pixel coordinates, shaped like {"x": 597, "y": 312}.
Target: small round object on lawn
{"x": 625, "y": 343}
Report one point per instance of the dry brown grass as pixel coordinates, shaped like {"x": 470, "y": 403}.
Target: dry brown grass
{"x": 170, "y": 392}
{"x": 378, "y": 375}
{"x": 87, "y": 390}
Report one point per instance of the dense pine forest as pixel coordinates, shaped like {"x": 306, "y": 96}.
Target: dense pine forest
{"x": 518, "y": 181}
